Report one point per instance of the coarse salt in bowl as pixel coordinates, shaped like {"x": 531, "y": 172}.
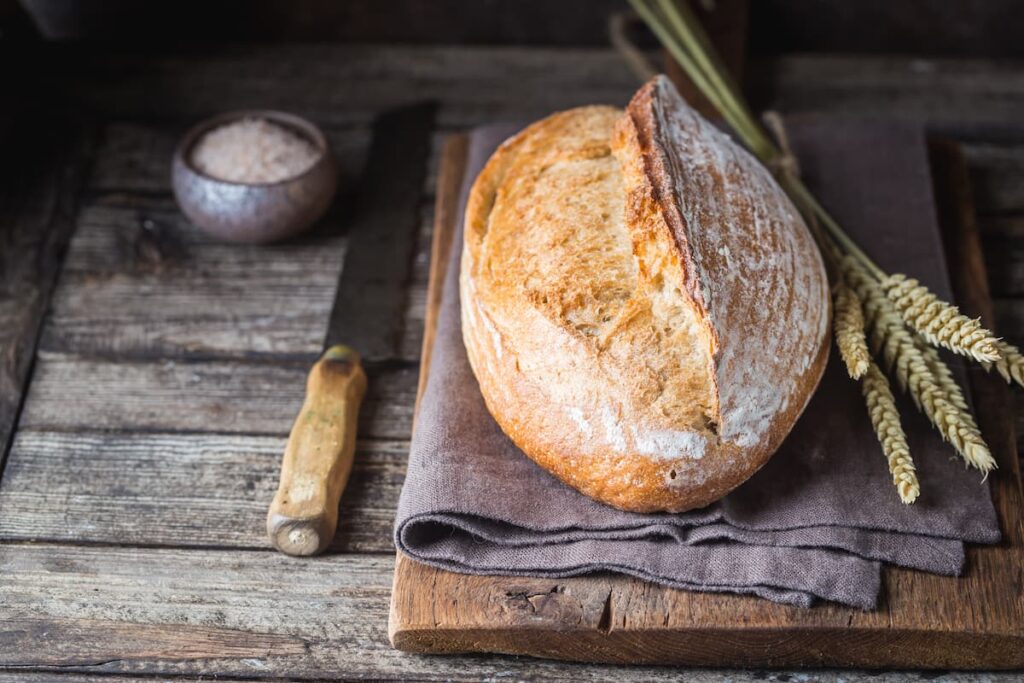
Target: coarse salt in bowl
{"x": 254, "y": 176}
{"x": 253, "y": 150}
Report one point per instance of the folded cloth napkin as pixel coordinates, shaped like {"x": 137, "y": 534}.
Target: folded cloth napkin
{"x": 814, "y": 523}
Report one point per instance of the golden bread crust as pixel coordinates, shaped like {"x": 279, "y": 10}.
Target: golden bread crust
{"x": 643, "y": 308}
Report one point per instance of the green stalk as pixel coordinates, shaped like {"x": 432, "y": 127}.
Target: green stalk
{"x": 678, "y": 30}
{"x": 679, "y": 53}
{"x": 695, "y": 44}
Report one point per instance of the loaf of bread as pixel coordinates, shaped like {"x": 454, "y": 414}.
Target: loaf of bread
{"x": 643, "y": 307}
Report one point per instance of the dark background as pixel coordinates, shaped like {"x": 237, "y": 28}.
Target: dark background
{"x": 984, "y": 28}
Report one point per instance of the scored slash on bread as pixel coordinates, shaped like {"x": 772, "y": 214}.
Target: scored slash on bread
{"x": 643, "y": 307}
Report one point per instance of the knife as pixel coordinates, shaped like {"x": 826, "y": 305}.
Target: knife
{"x": 364, "y": 325}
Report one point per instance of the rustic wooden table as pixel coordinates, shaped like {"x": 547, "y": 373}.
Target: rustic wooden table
{"x": 150, "y": 374}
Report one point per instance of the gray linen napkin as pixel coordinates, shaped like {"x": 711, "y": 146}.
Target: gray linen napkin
{"x": 814, "y": 523}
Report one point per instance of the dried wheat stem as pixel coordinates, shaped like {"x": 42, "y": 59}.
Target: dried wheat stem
{"x": 903, "y": 355}
{"x": 848, "y": 320}
{"x": 1011, "y": 362}
{"x": 885, "y": 418}
{"x": 940, "y": 323}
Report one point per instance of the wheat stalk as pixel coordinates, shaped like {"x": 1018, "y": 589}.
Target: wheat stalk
{"x": 848, "y": 320}
{"x": 885, "y": 418}
{"x": 903, "y": 354}
{"x": 940, "y": 323}
{"x": 954, "y": 424}
{"x": 890, "y": 304}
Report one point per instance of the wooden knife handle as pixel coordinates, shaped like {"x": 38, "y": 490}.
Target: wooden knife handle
{"x": 318, "y": 458}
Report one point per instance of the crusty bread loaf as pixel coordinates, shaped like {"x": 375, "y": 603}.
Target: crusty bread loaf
{"x": 644, "y": 309}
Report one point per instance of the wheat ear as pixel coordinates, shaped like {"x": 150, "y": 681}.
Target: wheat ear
{"x": 901, "y": 353}
{"x": 940, "y": 323}
{"x": 943, "y": 375}
{"x": 885, "y": 418}
{"x": 979, "y": 456}
{"x": 848, "y": 319}
{"x": 1011, "y": 362}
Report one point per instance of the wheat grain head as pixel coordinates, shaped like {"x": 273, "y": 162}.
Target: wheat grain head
{"x": 848, "y": 321}
{"x": 943, "y": 375}
{"x": 903, "y": 356}
{"x": 940, "y": 323}
{"x": 1011, "y": 362}
{"x": 885, "y": 419}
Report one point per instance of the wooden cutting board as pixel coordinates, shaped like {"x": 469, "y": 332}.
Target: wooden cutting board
{"x": 924, "y": 621}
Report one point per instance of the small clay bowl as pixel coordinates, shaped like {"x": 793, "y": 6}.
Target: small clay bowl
{"x": 254, "y": 212}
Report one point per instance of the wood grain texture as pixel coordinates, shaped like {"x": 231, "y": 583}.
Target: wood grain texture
{"x": 997, "y": 176}
{"x": 997, "y": 173}
{"x": 923, "y": 621}
{"x": 972, "y": 98}
{"x": 162, "y": 613}
{"x": 110, "y": 469}
{"x": 144, "y": 282}
{"x": 172, "y": 489}
{"x": 133, "y": 155}
{"x": 473, "y": 84}
{"x": 140, "y": 281}
{"x": 452, "y": 168}
{"x": 490, "y": 83}
{"x": 40, "y": 174}
{"x": 237, "y": 397}
{"x": 317, "y": 460}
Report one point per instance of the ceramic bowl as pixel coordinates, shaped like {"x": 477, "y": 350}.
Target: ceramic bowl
{"x": 254, "y": 212}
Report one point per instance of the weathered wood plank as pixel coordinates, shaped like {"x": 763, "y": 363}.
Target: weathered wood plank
{"x": 997, "y": 175}
{"x": 973, "y": 621}
{"x": 344, "y": 85}
{"x": 71, "y": 393}
{"x": 1004, "y": 257}
{"x": 141, "y": 281}
{"x": 971, "y": 97}
{"x": 42, "y": 166}
{"x": 21, "y": 675}
{"x": 162, "y": 613}
{"x": 997, "y": 225}
{"x": 193, "y": 490}
{"x": 137, "y": 156}
{"x": 519, "y": 670}
{"x": 1009, "y": 316}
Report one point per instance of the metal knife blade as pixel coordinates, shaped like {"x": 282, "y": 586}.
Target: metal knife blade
{"x": 368, "y": 305}
{"x": 365, "y": 321}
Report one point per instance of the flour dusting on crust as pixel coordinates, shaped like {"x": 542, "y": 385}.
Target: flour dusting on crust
{"x": 764, "y": 295}
{"x": 642, "y": 306}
